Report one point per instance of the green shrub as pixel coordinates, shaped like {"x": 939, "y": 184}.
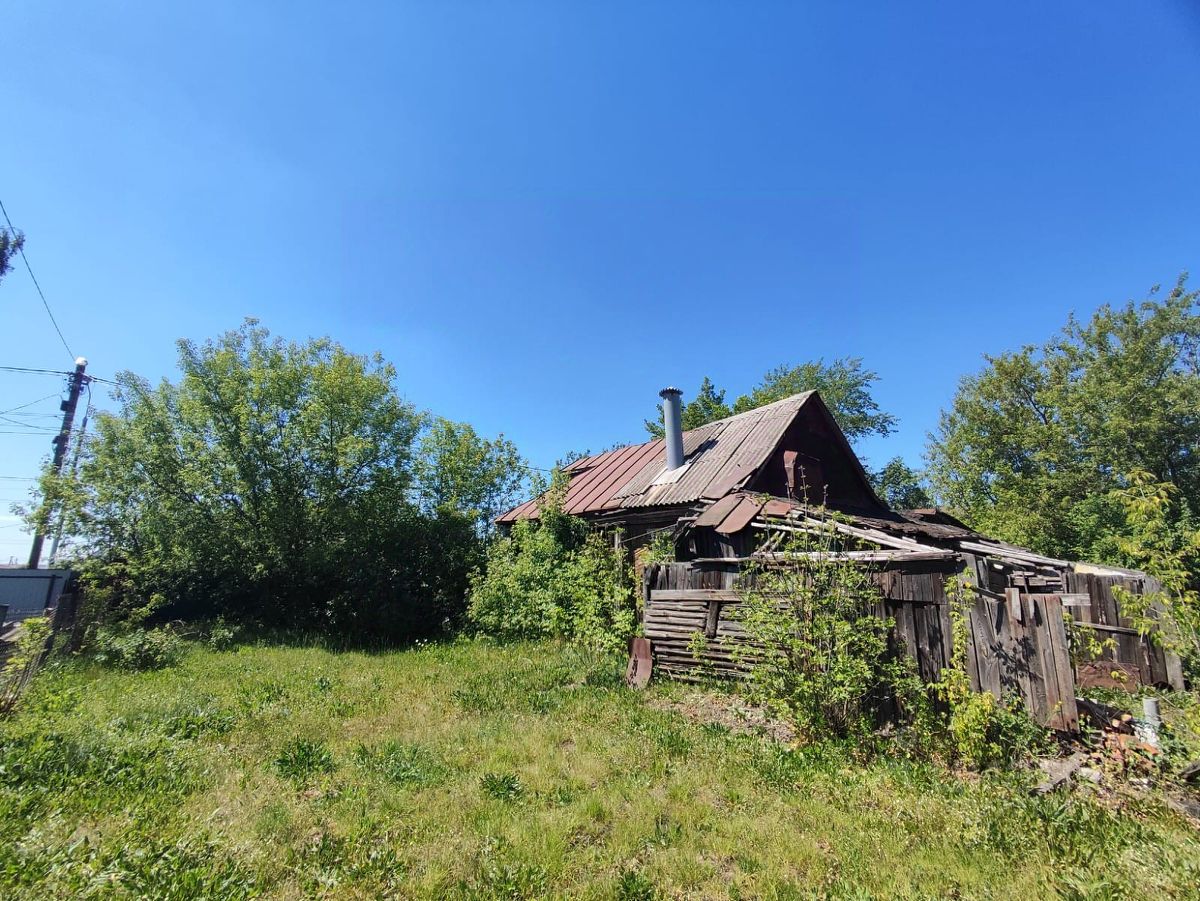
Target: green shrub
{"x": 221, "y": 636}
{"x": 555, "y": 578}
{"x": 980, "y": 730}
{"x": 23, "y": 661}
{"x": 138, "y": 648}
{"x": 301, "y": 759}
{"x": 825, "y": 660}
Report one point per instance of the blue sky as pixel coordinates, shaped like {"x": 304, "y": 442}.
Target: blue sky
{"x": 542, "y": 213}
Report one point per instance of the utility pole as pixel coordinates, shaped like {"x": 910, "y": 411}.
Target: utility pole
{"x": 58, "y": 529}
{"x": 61, "y": 442}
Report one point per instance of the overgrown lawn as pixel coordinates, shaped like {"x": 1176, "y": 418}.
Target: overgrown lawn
{"x": 474, "y": 770}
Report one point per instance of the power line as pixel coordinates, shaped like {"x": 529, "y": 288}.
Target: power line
{"x": 30, "y": 404}
{"x": 53, "y": 321}
{"x": 26, "y": 425}
{"x": 34, "y": 371}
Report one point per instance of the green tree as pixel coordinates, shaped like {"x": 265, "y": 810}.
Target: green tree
{"x": 1034, "y": 446}
{"x": 844, "y": 384}
{"x": 845, "y": 387}
{"x": 11, "y": 243}
{"x": 273, "y": 481}
{"x": 1164, "y": 541}
{"x": 707, "y": 406}
{"x": 900, "y": 486}
{"x": 459, "y": 470}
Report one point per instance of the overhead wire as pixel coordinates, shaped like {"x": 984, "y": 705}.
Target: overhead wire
{"x": 28, "y": 369}
{"x": 42, "y": 295}
{"x": 30, "y": 404}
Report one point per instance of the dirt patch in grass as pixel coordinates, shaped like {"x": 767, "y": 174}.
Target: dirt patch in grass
{"x": 728, "y": 711}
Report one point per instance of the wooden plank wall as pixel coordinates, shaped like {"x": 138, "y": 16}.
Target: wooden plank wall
{"x": 1018, "y": 645}
{"x": 683, "y": 608}
{"x": 1134, "y": 652}
{"x": 915, "y": 600}
{"x": 688, "y": 607}
{"x": 1017, "y": 641}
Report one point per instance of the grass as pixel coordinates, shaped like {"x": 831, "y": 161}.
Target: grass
{"x": 473, "y": 770}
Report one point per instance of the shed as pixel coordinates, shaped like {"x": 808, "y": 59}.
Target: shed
{"x": 728, "y": 492}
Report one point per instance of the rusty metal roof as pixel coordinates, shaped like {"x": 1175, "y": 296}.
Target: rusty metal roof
{"x": 719, "y": 457}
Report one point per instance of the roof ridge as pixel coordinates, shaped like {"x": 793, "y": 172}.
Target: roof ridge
{"x": 804, "y": 395}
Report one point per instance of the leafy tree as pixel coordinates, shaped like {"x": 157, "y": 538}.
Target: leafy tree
{"x": 1034, "y": 446}
{"x": 845, "y": 387}
{"x": 1164, "y": 541}
{"x": 273, "y": 481}
{"x": 900, "y": 487}
{"x": 459, "y": 470}
{"x": 11, "y": 243}
{"x": 707, "y": 406}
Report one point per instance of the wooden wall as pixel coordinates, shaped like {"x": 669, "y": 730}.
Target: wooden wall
{"x": 690, "y": 617}
{"x": 1094, "y": 605}
{"x": 1018, "y": 646}
{"x": 1017, "y": 636}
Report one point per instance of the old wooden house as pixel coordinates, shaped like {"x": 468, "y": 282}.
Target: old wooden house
{"x": 730, "y": 491}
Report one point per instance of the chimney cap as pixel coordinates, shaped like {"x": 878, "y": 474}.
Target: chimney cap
{"x": 667, "y": 392}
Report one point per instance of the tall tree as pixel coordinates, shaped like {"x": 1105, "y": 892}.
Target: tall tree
{"x": 272, "y": 481}
{"x": 707, "y": 406}
{"x": 1035, "y": 445}
{"x": 458, "y": 469}
{"x": 900, "y": 486}
{"x": 845, "y": 387}
{"x": 11, "y": 243}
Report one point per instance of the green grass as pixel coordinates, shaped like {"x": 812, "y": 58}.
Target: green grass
{"x": 473, "y": 770}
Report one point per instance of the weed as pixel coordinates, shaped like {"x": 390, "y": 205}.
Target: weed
{"x": 138, "y": 649}
{"x": 501, "y": 786}
{"x": 301, "y": 759}
{"x": 633, "y": 885}
{"x": 503, "y": 874}
{"x": 322, "y": 684}
{"x": 184, "y": 719}
{"x": 401, "y": 764}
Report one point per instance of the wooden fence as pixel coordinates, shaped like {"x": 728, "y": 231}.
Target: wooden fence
{"x": 1017, "y": 637}
{"x": 1094, "y": 605}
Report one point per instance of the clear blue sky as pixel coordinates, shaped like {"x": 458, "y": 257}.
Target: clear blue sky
{"x": 542, "y": 213}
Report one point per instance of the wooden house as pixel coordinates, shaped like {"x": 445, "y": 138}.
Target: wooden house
{"x": 731, "y": 490}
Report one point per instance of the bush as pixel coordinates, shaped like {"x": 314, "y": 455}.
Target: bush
{"x": 138, "y": 649}
{"x": 23, "y": 661}
{"x": 825, "y": 660}
{"x": 979, "y": 730}
{"x": 555, "y": 578}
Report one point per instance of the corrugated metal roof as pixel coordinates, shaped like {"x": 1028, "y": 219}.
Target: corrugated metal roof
{"x": 721, "y": 457}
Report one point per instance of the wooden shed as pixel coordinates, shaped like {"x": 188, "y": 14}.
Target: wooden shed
{"x": 729, "y": 491}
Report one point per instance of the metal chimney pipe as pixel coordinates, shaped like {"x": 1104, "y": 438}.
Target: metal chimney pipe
{"x": 673, "y": 426}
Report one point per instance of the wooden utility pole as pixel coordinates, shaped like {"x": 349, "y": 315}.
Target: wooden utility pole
{"x": 61, "y": 442}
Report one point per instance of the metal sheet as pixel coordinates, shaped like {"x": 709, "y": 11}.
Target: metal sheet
{"x": 722, "y": 456}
